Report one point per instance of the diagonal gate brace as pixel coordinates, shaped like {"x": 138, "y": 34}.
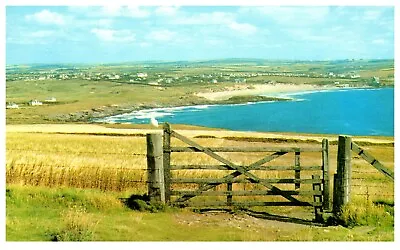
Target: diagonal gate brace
{"x": 239, "y": 171}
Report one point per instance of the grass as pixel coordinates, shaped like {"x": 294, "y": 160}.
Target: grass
{"x": 69, "y": 214}
{"x": 67, "y": 187}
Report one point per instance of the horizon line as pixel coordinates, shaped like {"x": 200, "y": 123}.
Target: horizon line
{"x": 202, "y": 60}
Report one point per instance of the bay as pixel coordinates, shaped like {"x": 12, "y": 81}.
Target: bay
{"x": 342, "y": 111}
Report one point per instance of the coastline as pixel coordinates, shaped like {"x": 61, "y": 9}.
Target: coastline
{"x": 275, "y": 90}
{"x": 241, "y": 95}
{"x": 235, "y": 95}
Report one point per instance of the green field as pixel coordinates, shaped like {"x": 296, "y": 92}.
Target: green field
{"x": 66, "y": 214}
{"x": 80, "y": 99}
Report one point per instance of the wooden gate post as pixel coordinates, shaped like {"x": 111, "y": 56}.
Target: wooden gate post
{"x": 317, "y": 198}
{"x": 166, "y": 149}
{"x": 325, "y": 169}
{"x": 155, "y": 170}
{"x": 336, "y": 195}
{"x": 343, "y": 172}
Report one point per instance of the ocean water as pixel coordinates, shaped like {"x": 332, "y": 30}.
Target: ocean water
{"x": 342, "y": 111}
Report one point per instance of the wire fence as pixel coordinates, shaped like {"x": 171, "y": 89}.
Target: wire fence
{"x": 367, "y": 182}
{"x": 78, "y": 152}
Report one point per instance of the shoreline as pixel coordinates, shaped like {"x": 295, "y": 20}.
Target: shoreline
{"x": 275, "y": 90}
{"x": 271, "y": 93}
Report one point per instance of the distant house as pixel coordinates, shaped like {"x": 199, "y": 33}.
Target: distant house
{"x": 35, "y": 103}
{"x": 214, "y": 81}
{"x": 142, "y": 75}
{"x": 51, "y": 99}
{"x": 12, "y": 105}
{"x": 114, "y": 77}
{"x": 240, "y": 80}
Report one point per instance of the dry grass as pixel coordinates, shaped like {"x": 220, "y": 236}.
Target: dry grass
{"x": 84, "y": 161}
{"x": 118, "y": 163}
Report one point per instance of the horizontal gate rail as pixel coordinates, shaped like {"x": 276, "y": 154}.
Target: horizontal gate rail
{"x": 248, "y": 193}
{"x": 249, "y": 203}
{"x": 225, "y": 167}
{"x": 261, "y": 181}
{"x": 243, "y": 149}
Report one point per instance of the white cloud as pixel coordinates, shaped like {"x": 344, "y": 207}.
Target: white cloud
{"x": 213, "y": 18}
{"x": 47, "y": 17}
{"x": 41, "y": 33}
{"x": 162, "y": 35}
{"x": 214, "y": 42}
{"x": 144, "y": 44}
{"x": 119, "y": 11}
{"x": 109, "y": 35}
{"x": 309, "y": 35}
{"x": 243, "y": 28}
{"x": 135, "y": 11}
{"x": 103, "y": 22}
{"x": 111, "y": 10}
{"x": 223, "y": 19}
{"x": 372, "y": 15}
{"x": 166, "y": 10}
{"x": 290, "y": 16}
{"x": 378, "y": 41}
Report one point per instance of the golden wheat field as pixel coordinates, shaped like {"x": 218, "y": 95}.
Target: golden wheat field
{"x": 117, "y": 162}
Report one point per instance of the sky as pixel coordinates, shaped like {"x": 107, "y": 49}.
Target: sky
{"x": 117, "y": 34}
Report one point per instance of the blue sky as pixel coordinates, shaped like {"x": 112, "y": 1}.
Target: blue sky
{"x": 107, "y": 34}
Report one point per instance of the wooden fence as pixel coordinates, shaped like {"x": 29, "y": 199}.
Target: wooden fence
{"x": 162, "y": 179}
{"x": 342, "y": 179}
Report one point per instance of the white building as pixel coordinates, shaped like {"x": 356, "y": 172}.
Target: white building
{"x": 12, "y": 105}
{"x": 142, "y": 75}
{"x": 35, "y": 103}
{"x": 51, "y": 99}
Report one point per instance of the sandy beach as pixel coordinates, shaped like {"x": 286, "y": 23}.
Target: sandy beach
{"x": 260, "y": 89}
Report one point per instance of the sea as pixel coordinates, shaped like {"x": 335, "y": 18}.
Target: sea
{"x": 346, "y": 111}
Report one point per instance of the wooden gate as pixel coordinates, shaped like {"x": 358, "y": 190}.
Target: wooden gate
{"x": 318, "y": 192}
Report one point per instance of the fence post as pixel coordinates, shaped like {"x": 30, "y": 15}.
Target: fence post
{"x": 317, "y": 198}
{"x": 343, "y": 171}
{"x": 229, "y": 196}
{"x": 297, "y": 169}
{"x": 167, "y": 160}
{"x": 155, "y": 170}
{"x": 325, "y": 169}
{"x": 336, "y": 195}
